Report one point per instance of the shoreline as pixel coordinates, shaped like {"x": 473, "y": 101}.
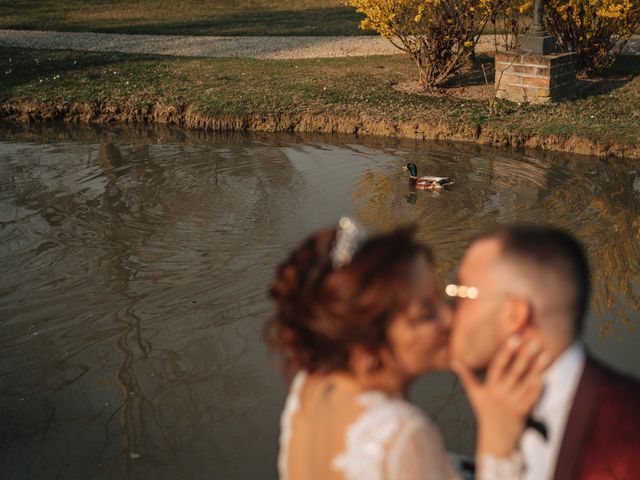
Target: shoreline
{"x": 184, "y": 116}
{"x": 351, "y": 95}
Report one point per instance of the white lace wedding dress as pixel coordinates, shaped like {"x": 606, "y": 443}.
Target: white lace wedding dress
{"x": 390, "y": 440}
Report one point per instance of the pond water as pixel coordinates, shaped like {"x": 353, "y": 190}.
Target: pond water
{"x": 135, "y": 262}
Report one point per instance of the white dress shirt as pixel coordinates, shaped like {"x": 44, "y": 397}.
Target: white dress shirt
{"x": 560, "y": 384}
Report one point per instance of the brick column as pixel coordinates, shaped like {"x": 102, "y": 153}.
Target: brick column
{"x": 524, "y": 77}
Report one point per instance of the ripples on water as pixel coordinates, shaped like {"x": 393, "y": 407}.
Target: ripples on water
{"x": 135, "y": 265}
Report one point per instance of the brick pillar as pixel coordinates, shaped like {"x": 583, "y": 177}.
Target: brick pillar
{"x": 524, "y": 77}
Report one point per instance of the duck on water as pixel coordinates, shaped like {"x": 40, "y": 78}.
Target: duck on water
{"x": 427, "y": 181}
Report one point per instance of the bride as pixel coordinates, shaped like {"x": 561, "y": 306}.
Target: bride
{"x": 357, "y": 321}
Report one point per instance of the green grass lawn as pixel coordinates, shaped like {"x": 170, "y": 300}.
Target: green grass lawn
{"x": 190, "y": 17}
{"x": 184, "y": 17}
{"x": 347, "y": 87}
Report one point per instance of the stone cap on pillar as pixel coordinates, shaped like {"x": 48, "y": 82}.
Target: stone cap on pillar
{"x": 537, "y": 40}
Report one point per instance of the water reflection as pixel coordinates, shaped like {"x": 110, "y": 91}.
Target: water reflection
{"x": 135, "y": 264}
{"x": 594, "y": 199}
{"x": 135, "y": 256}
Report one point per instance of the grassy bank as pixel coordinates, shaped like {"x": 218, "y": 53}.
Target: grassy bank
{"x": 343, "y": 95}
{"x": 184, "y": 17}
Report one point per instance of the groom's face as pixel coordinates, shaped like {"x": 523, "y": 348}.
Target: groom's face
{"x": 477, "y": 324}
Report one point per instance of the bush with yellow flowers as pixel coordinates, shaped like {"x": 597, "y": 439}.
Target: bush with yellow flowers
{"x": 511, "y": 19}
{"x": 596, "y": 29}
{"x": 438, "y": 35}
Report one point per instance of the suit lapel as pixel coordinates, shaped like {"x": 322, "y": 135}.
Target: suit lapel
{"x": 579, "y": 421}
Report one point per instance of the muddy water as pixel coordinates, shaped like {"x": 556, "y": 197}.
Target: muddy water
{"x": 134, "y": 266}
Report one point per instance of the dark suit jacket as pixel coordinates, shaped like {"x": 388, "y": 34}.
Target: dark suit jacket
{"x": 602, "y": 437}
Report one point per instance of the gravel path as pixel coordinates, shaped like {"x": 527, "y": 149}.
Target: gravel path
{"x": 203, "y": 46}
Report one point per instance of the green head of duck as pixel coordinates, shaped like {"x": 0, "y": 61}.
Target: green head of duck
{"x": 413, "y": 169}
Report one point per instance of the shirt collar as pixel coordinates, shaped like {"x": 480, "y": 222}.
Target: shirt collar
{"x": 561, "y": 381}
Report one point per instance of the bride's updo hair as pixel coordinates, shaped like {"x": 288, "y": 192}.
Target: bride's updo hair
{"x": 322, "y": 311}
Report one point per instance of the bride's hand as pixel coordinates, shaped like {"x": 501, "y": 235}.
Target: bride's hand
{"x": 502, "y": 402}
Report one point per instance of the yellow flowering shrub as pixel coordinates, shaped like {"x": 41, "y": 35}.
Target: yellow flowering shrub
{"x": 511, "y": 19}
{"x": 596, "y": 29}
{"x": 438, "y": 35}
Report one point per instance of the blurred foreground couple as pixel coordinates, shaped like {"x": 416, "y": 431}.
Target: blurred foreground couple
{"x": 357, "y": 320}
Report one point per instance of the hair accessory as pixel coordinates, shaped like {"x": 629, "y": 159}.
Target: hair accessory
{"x": 348, "y": 238}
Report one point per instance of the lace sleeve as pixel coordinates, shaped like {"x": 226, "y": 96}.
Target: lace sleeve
{"x": 490, "y": 467}
{"x": 418, "y": 453}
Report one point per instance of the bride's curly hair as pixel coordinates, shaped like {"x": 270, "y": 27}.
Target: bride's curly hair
{"x": 322, "y": 311}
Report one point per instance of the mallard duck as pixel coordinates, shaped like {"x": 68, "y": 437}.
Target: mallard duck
{"x": 426, "y": 182}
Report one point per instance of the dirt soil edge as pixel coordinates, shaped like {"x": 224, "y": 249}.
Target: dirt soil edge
{"x": 185, "y": 116}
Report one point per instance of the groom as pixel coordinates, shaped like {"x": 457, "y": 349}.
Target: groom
{"x": 535, "y": 281}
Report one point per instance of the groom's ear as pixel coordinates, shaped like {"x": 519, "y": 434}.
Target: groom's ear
{"x": 518, "y": 314}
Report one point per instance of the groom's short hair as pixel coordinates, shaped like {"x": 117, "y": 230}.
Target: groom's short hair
{"x": 554, "y": 250}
